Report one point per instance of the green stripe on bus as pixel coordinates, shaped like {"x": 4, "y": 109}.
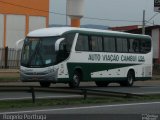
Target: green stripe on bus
{"x": 88, "y": 68}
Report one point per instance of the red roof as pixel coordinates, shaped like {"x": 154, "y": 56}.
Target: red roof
{"x": 125, "y": 28}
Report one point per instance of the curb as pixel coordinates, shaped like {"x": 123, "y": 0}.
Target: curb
{"x": 9, "y": 70}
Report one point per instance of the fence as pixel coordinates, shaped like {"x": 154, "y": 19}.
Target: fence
{"x": 9, "y": 58}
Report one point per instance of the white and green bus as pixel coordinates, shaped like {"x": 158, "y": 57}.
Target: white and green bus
{"x": 74, "y": 55}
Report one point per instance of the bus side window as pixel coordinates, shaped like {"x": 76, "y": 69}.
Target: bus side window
{"x": 142, "y": 46}
{"x": 62, "y": 53}
{"x": 69, "y": 40}
{"x": 131, "y": 45}
{"x": 122, "y": 45}
{"x": 96, "y": 43}
{"x": 82, "y": 43}
{"x": 136, "y": 46}
{"x": 145, "y": 46}
{"x": 109, "y": 44}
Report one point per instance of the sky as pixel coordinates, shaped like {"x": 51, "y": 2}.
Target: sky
{"x": 116, "y": 12}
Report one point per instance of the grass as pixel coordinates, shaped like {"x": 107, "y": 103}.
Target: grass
{"x": 74, "y": 101}
{"x": 9, "y": 79}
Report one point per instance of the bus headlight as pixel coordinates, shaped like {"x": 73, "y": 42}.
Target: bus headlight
{"x": 22, "y": 71}
{"x": 50, "y": 71}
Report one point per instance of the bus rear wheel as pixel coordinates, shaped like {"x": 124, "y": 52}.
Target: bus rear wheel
{"x": 75, "y": 80}
{"x": 130, "y": 79}
{"x": 45, "y": 84}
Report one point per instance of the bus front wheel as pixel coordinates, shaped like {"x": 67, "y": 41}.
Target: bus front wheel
{"x": 45, "y": 84}
{"x": 75, "y": 80}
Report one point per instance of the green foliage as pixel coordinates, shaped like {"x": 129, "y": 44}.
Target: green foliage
{"x": 10, "y": 104}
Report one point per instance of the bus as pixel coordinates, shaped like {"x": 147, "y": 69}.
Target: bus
{"x": 73, "y": 55}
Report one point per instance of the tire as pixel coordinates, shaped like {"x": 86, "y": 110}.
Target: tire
{"x": 130, "y": 80}
{"x": 75, "y": 80}
{"x": 101, "y": 83}
{"x": 45, "y": 84}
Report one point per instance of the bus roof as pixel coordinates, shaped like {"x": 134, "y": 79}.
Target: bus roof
{"x": 57, "y": 31}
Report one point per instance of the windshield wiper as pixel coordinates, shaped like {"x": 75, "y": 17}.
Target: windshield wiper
{"x": 33, "y": 54}
{"x": 40, "y": 56}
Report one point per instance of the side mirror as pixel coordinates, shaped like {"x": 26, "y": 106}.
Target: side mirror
{"x": 19, "y": 44}
{"x": 62, "y": 47}
{"x": 57, "y": 44}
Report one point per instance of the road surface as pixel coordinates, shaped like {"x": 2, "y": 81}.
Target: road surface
{"x": 132, "y": 111}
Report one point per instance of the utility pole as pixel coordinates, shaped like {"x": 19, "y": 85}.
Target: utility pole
{"x": 143, "y": 23}
{"x": 66, "y": 14}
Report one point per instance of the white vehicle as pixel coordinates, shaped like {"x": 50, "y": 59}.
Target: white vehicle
{"x": 74, "y": 55}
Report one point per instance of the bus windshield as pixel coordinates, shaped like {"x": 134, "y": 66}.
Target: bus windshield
{"x": 38, "y": 51}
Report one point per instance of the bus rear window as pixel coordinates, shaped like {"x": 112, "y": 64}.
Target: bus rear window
{"x": 139, "y": 45}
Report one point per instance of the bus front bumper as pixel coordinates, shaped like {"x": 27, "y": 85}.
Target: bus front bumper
{"x": 38, "y": 77}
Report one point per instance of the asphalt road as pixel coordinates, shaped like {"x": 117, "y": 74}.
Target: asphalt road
{"x": 39, "y": 95}
{"x": 131, "y": 108}
{"x": 133, "y": 111}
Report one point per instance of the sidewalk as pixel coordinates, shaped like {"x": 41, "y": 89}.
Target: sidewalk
{"x": 9, "y": 70}
{"x": 156, "y": 77}
{"x": 9, "y": 75}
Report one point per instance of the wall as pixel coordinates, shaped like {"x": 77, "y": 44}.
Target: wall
{"x": 155, "y": 43}
{"x": 27, "y": 7}
{"x": 18, "y": 17}
{"x": 2, "y": 30}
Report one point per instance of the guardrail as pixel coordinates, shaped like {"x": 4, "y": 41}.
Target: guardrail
{"x": 106, "y": 93}
{"x": 81, "y": 91}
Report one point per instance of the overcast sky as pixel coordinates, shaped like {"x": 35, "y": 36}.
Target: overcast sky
{"x": 130, "y": 10}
